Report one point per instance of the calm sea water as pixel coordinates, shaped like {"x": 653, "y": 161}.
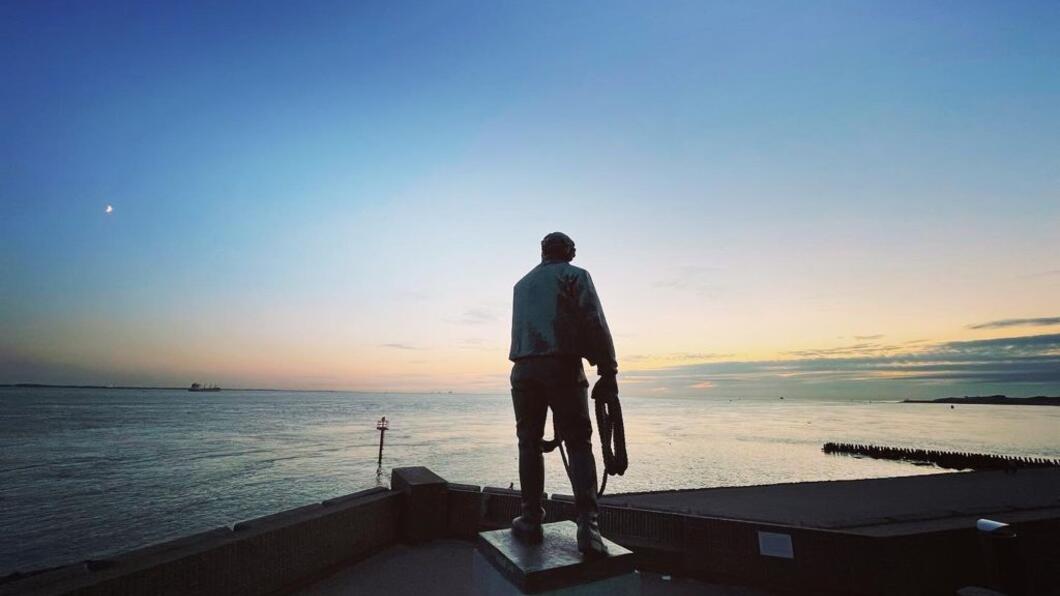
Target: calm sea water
{"x": 85, "y": 473}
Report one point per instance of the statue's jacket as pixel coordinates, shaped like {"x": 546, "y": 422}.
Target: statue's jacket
{"x": 556, "y": 312}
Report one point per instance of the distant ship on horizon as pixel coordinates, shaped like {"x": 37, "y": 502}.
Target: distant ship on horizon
{"x": 200, "y": 387}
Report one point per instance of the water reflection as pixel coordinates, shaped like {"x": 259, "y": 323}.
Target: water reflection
{"x": 127, "y": 468}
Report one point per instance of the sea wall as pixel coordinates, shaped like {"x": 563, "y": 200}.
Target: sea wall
{"x": 721, "y": 550}
{"x": 268, "y": 555}
{"x": 917, "y": 558}
{"x": 279, "y": 553}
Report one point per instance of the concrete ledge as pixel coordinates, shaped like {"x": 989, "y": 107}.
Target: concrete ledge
{"x": 284, "y": 551}
{"x": 37, "y": 582}
{"x": 353, "y": 496}
{"x": 424, "y": 501}
{"x": 465, "y": 507}
{"x": 644, "y": 529}
{"x": 280, "y": 554}
{"x": 559, "y": 507}
{"x": 166, "y": 551}
{"x": 271, "y": 554}
{"x": 277, "y": 520}
{"x": 823, "y": 560}
{"x": 465, "y": 487}
{"x": 503, "y": 505}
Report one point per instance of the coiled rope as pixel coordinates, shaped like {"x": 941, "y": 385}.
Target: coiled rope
{"x": 612, "y": 431}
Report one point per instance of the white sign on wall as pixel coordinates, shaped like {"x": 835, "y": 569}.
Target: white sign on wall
{"x": 773, "y": 544}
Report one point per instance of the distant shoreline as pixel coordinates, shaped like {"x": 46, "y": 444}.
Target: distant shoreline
{"x": 991, "y": 400}
{"x": 224, "y": 389}
{"x": 48, "y": 386}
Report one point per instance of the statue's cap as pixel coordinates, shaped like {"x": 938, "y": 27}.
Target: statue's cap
{"x": 556, "y": 242}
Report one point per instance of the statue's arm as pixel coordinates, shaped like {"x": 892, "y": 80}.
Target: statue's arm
{"x": 599, "y": 347}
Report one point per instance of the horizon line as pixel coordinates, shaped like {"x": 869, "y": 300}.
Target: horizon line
{"x": 185, "y": 388}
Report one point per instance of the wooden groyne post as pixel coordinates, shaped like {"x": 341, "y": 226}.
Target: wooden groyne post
{"x": 956, "y": 460}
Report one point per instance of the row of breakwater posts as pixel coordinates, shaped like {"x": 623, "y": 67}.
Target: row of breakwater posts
{"x": 284, "y": 552}
{"x": 954, "y": 460}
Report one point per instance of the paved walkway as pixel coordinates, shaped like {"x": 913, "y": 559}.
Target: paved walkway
{"x": 444, "y": 567}
{"x": 851, "y": 504}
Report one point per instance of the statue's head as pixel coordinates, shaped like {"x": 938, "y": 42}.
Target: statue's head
{"x": 557, "y": 246}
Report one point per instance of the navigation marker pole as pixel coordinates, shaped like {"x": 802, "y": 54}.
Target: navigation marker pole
{"x": 382, "y": 426}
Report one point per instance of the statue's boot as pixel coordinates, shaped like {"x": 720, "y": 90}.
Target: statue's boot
{"x": 583, "y": 481}
{"x": 590, "y": 543}
{"x": 527, "y": 527}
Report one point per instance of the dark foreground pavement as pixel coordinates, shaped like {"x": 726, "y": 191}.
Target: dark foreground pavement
{"x": 444, "y": 567}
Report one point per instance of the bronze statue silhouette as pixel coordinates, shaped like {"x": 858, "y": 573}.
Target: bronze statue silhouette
{"x": 557, "y": 320}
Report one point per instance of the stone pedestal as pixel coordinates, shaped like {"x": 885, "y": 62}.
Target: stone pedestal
{"x": 424, "y": 503}
{"x": 504, "y": 565}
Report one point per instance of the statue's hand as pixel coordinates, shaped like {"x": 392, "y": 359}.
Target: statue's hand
{"x": 606, "y": 388}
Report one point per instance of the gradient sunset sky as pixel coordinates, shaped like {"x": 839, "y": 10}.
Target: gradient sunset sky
{"x": 833, "y": 199}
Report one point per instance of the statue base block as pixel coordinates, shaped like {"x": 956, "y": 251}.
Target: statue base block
{"x": 554, "y": 566}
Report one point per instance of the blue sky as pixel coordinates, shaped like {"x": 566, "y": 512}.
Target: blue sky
{"x": 341, "y": 196}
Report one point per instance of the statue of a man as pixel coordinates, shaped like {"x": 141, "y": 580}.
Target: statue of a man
{"x": 556, "y": 321}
